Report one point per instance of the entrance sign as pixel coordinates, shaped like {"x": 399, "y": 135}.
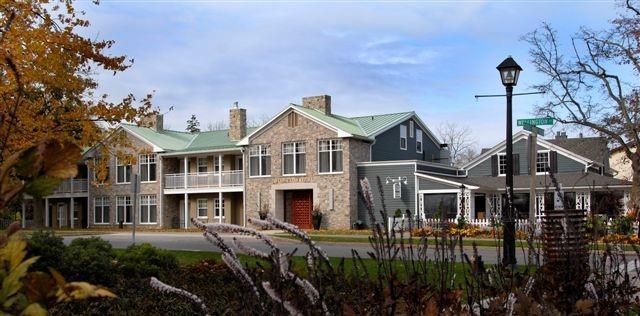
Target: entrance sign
{"x": 535, "y": 121}
{"x": 533, "y": 129}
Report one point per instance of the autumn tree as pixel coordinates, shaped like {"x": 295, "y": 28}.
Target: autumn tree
{"x": 47, "y": 89}
{"x": 460, "y": 141}
{"x": 592, "y": 81}
{"x": 193, "y": 125}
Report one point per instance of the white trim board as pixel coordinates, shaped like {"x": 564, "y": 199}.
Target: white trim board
{"x": 439, "y": 191}
{"x": 444, "y": 181}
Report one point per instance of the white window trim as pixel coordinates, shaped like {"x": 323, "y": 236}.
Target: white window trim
{"x": 155, "y": 163}
{"x": 295, "y": 161}
{"x": 505, "y": 166}
{"x": 406, "y": 139}
{"x": 102, "y": 206}
{"x": 330, "y": 157}
{"x": 198, "y": 165}
{"x": 148, "y": 209}
{"x": 548, "y": 160}
{"x": 125, "y": 175}
{"x": 125, "y": 207}
{"x": 260, "y": 155}
{"x": 419, "y": 132}
{"x": 220, "y": 206}
{"x": 411, "y": 129}
{"x": 206, "y": 202}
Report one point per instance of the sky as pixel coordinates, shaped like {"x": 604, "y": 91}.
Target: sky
{"x": 372, "y": 57}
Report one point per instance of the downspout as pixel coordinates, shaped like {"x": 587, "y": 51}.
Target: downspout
{"x": 371, "y": 150}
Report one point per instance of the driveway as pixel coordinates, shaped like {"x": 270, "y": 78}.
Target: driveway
{"x": 195, "y": 242}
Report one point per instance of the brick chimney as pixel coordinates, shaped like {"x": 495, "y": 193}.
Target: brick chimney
{"x": 561, "y": 135}
{"x": 154, "y": 122}
{"x": 321, "y": 103}
{"x": 237, "y": 122}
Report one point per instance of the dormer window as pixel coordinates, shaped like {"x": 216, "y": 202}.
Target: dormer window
{"x": 403, "y": 137}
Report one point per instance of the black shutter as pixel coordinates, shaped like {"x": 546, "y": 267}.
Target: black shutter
{"x": 516, "y": 164}
{"x": 494, "y": 165}
{"x": 553, "y": 161}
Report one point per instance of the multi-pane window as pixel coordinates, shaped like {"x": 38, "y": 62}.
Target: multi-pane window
{"x": 293, "y": 158}
{"x": 123, "y": 208}
{"x": 123, "y": 171}
{"x": 260, "y": 160}
{"x": 203, "y": 164}
{"x": 218, "y": 208}
{"x": 419, "y": 141}
{"x": 542, "y": 161}
{"x": 502, "y": 164}
{"x": 330, "y": 156}
{"x": 203, "y": 208}
{"x": 403, "y": 137}
{"x": 101, "y": 210}
{"x": 411, "y": 129}
{"x": 217, "y": 167}
{"x": 147, "y": 167}
{"x": 148, "y": 209}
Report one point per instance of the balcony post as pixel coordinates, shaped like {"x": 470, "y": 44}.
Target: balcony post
{"x": 186, "y": 170}
{"x": 220, "y": 171}
{"x": 71, "y": 189}
{"x": 72, "y": 208}
{"x": 220, "y": 207}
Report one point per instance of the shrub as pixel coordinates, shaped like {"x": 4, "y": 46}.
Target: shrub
{"x": 48, "y": 246}
{"x": 145, "y": 260}
{"x": 623, "y": 225}
{"x": 89, "y": 259}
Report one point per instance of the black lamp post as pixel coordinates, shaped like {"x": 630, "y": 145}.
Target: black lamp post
{"x": 509, "y": 73}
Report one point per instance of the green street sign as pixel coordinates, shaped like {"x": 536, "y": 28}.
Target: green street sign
{"x": 532, "y": 128}
{"x": 535, "y": 121}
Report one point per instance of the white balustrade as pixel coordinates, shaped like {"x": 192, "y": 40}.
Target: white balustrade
{"x": 72, "y": 186}
{"x": 204, "y": 179}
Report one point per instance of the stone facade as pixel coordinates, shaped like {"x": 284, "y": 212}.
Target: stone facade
{"x": 266, "y": 191}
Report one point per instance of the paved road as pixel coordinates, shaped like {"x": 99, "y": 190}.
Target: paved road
{"x": 195, "y": 242}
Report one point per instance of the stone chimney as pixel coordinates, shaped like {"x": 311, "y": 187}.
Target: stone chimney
{"x": 561, "y": 135}
{"x": 237, "y": 122}
{"x": 154, "y": 122}
{"x": 321, "y": 103}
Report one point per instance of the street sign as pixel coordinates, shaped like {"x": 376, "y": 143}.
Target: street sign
{"x": 535, "y": 121}
{"x": 530, "y": 128}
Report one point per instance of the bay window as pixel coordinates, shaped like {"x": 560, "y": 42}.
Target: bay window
{"x": 293, "y": 158}
{"x": 330, "y": 156}
{"x": 260, "y": 160}
{"x": 147, "y": 168}
{"x": 148, "y": 209}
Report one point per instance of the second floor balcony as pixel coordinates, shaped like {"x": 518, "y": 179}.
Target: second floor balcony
{"x": 72, "y": 187}
{"x": 232, "y": 179}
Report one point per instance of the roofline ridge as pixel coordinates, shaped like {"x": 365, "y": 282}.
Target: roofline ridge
{"x": 392, "y": 113}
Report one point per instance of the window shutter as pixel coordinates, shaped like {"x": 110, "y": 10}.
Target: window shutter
{"x": 494, "y": 165}
{"x": 553, "y": 161}
{"x": 516, "y": 164}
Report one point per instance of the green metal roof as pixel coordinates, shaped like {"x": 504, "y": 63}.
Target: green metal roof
{"x": 340, "y": 122}
{"x": 172, "y": 141}
{"x": 374, "y": 123}
{"x": 167, "y": 139}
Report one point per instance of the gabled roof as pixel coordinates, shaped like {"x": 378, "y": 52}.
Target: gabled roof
{"x": 593, "y": 148}
{"x": 364, "y": 127}
{"x": 165, "y": 140}
{"x": 541, "y": 142}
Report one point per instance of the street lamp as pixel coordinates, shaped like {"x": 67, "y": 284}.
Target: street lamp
{"x": 509, "y": 73}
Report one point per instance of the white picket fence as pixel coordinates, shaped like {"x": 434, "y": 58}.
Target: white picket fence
{"x": 402, "y": 223}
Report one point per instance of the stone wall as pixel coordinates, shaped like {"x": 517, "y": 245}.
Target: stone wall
{"x": 261, "y": 191}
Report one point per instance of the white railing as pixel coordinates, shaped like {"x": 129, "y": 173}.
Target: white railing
{"x": 484, "y": 224}
{"x": 72, "y": 186}
{"x": 204, "y": 180}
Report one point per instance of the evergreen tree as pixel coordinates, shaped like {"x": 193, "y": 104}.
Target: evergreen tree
{"x": 193, "y": 126}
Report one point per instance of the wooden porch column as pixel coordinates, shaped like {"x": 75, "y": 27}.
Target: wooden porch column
{"x": 46, "y": 212}
{"x": 72, "y": 208}
{"x": 186, "y": 195}
{"x": 220, "y": 171}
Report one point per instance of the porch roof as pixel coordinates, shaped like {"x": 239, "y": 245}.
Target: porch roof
{"x": 572, "y": 180}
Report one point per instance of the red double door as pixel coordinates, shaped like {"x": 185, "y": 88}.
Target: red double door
{"x": 301, "y": 206}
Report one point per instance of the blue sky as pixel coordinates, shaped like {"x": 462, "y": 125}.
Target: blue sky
{"x": 371, "y": 57}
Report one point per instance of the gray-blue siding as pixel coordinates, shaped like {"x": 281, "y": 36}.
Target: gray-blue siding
{"x": 372, "y": 173}
{"x": 565, "y": 164}
{"x": 387, "y": 146}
